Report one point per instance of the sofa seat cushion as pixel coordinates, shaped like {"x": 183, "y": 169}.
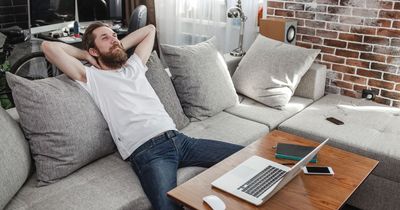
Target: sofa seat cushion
{"x": 108, "y": 183}
{"x": 228, "y": 128}
{"x": 369, "y": 129}
{"x": 255, "y": 111}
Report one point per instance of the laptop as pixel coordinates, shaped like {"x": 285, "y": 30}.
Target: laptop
{"x": 258, "y": 179}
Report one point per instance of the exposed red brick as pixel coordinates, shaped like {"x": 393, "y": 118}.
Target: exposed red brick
{"x": 384, "y": 67}
{"x": 339, "y": 10}
{"x": 395, "y": 42}
{"x": 360, "y": 47}
{"x": 397, "y": 5}
{"x": 319, "y": 8}
{"x": 342, "y": 84}
{"x": 331, "y": 2}
{"x": 338, "y": 27}
{"x": 294, "y": 6}
{"x": 363, "y": 30}
{"x": 302, "y": 44}
{"x": 335, "y": 43}
{"x": 379, "y": 4}
{"x": 355, "y": 79}
{"x": 373, "y": 57}
{"x": 312, "y": 39}
{"x": 398, "y": 87}
{"x": 388, "y": 32}
{"x": 304, "y": 30}
{"x": 326, "y": 17}
{"x": 351, "y": 20}
{"x": 275, "y": 4}
{"x": 270, "y": 11}
{"x": 390, "y": 94}
{"x": 343, "y": 69}
{"x": 324, "y": 49}
{"x": 315, "y": 24}
{"x": 389, "y": 14}
{"x": 328, "y": 65}
{"x": 372, "y": 13}
{"x": 300, "y": 22}
{"x": 327, "y": 34}
{"x": 333, "y": 59}
{"x": 391, "y": 77}
{"x": 393, "y": 60}
{"x": 351, "y": 37}
{"x": 396, "y": 104}
{"x": 352, "y": 3}
{"x": 369, "y": 73}
{"x": 376, "y": 40}
{"x": 350, "y": 93}
{"x": 380, "y": 84}
{"x": 396, "y": 24}
{"x": 305, "y": 15}
{"x": 284, "y": 13}
{"x": 387, "y": 50}
{"x": 359, "y": 88}
{"x": 382, "y": 100}
{"x": 358, "y": 63}
{"x": 378, "y": 22}
{"x": 347, "y": 53}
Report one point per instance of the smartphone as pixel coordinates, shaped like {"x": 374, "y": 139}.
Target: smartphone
{"x": 318, "y": 170}
{"x": 334, "y": 121}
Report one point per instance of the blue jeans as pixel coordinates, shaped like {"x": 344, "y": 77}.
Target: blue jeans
{"x": 156, "y": 162}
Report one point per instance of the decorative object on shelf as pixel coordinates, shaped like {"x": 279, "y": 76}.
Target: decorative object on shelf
{"x": 280, "y": 29}
{"x": 237, "y": 12}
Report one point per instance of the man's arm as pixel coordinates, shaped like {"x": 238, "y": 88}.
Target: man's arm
{"x": 144, "y": 39}
{"x": 65, "y": 57}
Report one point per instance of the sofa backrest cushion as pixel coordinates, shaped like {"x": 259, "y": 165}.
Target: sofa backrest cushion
{"x": 15, "y": 159}
{"x": 201, "y": 79}
{"x": 64, "y": 127}
{"x": 162, "y": 85}
{"x": 271, "y": 70}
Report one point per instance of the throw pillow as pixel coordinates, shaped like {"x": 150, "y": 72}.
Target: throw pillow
{"x": 271, "y": 70}
{"x": 64, "y": 127}
{"x": 162, "y": 85}
{"x": 201, "y": 79}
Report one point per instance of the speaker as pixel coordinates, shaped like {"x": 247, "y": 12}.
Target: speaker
{"x": 280, "y": 29}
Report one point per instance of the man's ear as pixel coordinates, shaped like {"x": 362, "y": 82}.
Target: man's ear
{"x": 93, "y": 52}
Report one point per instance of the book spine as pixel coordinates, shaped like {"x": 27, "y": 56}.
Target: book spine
{"x": 289, "y": 157}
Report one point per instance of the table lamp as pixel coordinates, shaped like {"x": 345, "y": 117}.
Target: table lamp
{"x": 237, "y": 12}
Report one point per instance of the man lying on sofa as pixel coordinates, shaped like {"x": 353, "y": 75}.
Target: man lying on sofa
{"x": 144, "y": 133}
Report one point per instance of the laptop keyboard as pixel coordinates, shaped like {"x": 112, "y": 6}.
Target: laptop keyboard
{"x": 262, "y": 181}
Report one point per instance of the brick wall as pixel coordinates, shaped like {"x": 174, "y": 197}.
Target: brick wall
{"x": 13, "y": 12}
{"x": 359, "y": 42}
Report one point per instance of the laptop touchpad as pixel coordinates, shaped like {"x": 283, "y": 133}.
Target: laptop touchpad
{"x": 243, "y": 171}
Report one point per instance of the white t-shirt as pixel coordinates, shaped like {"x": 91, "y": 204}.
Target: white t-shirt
{"x": 129, "y": 104}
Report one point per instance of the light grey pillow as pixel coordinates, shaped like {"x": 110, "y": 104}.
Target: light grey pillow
{"x": 271, "y": 70}
{"x": 201, "y": 79}
{"x": 15, "y": 159}
{"x": 162, "y": 85}
{"x": 64, "y": 127}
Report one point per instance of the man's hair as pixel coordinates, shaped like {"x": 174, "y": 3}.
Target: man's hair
{"x": 88, "y": 36}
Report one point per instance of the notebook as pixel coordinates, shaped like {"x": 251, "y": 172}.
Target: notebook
{"x": 293, "y": 152}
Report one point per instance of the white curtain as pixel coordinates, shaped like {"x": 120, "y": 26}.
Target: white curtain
{"x": 184, "y": 22}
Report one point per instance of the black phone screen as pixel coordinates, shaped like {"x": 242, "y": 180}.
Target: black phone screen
{"x": 318, "y": 170}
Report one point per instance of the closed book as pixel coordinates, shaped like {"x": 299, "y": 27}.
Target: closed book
{"x": 293, "y": 152}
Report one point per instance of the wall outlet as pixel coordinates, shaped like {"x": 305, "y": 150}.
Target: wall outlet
{"x": 369, "y": 94}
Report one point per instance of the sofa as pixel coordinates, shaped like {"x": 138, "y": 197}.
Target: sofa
{"x": 110, "y": 183}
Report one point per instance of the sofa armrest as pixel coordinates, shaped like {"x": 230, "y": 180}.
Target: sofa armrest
{"x": 312, "y": 85}
{"x": 232, "y": 62}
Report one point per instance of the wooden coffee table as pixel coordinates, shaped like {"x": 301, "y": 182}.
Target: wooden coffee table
{"x": 303, "y": 192}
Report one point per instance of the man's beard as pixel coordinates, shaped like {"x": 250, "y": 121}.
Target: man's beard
{"x": 114, "y": 59}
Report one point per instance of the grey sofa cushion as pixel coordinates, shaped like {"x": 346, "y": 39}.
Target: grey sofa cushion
{"x": 108, "y": 183}
{"x": 271, "y": 70}
{"x": 162, "y": 85}
{"x": 64, "y": 127}
{"x": 369, "y": 129}
{"x": 255, "y": 111}
{"x": 201, "y": 79}
{"x": 15, "y": 160}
